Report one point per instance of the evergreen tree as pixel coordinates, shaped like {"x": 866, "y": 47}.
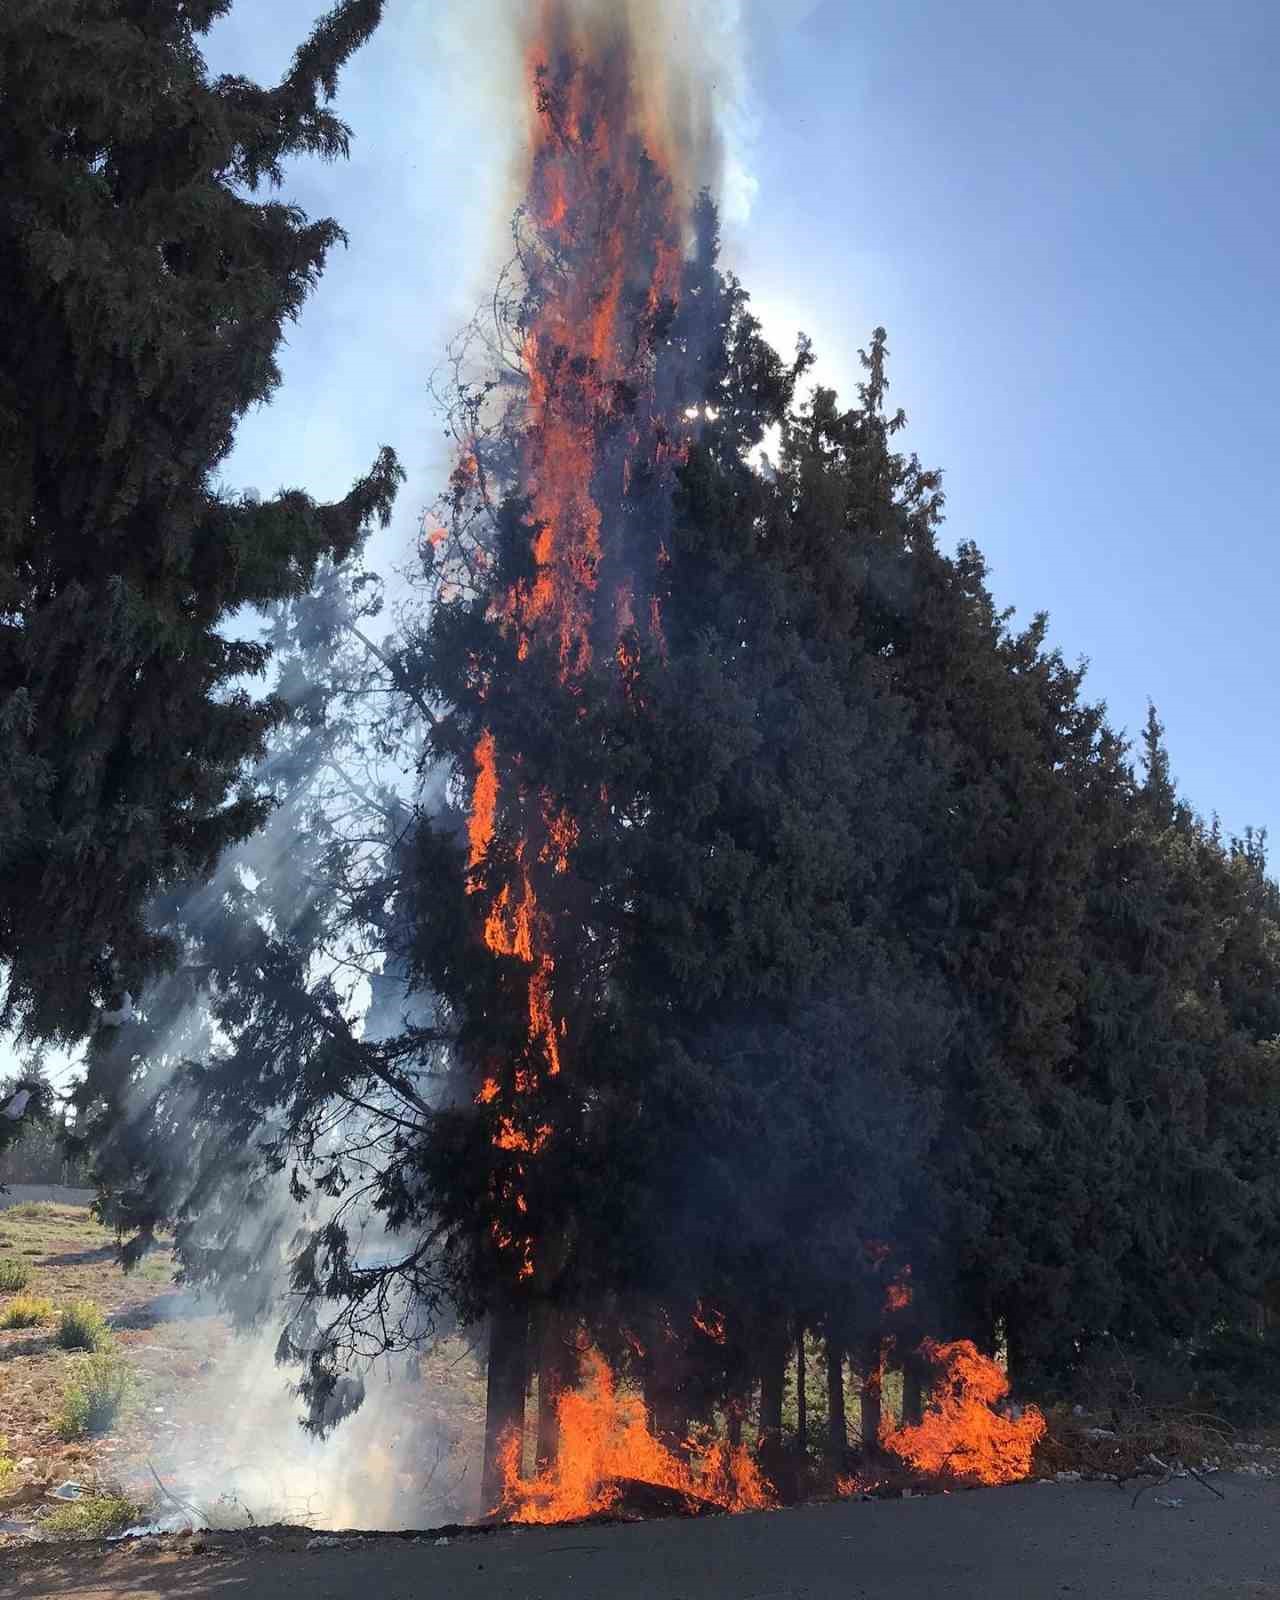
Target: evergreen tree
{"x": 266, "y": 1102}
{"x": 993, "y": 903}
{"x": 743, "y": 788}
{"x": 147, "y": 285}
{"x": 30, "y": 1144}
{"x": 1177, "y": 1055}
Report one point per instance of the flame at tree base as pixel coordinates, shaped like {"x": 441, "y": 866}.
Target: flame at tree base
{"x": 604, "y": 1438}
{"x": 962, "y": 1434}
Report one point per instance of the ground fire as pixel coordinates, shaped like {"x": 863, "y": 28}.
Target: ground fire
{"x": 963, "y": 1433}
{"x": 604, "y": 1442}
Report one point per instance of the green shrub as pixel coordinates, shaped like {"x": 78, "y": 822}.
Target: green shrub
{"x": 94, "y": 1517}
{"x": 14, "y": 1275}
{"x": 26, "y": 1311}
{"x": 1237, "y": 1375}
{"x": 83, "y": 1327}
{"x": 94, "y": 1396}
{"x": 7, "y": 1464}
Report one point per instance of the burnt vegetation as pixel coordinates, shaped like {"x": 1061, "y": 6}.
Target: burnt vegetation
{"x": 701, "y": 927}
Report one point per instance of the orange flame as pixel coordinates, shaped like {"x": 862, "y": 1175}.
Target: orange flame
{"x": 602, "y": 252}
{"x": 484, "y": 799}
{"x": 898, "y": 1294}
{"x": 604, "y": 1438}
{"x": 710, "y": 1322}
{"x": 962, "y": 1433}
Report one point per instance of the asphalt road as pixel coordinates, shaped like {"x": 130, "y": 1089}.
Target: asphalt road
{"x": 1029, "y": 1542}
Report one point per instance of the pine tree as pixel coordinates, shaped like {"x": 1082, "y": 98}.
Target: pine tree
{"x": 266, "y": 1103}
{"x": 1177, "y": 1059}
{"x": 147, "y": 285}
{"x": 30, "y": 1147}
{"x": 748, "y": 1055}
{"x": 995, "y": 900}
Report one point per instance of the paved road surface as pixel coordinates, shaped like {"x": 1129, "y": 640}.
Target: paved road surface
{"x": 19, "y": 1194}
{"x": 1029, "y": 1542}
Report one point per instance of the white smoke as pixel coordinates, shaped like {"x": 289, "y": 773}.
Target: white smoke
{"x": 692, "y": 73}
{"x": 232, "y": 1450}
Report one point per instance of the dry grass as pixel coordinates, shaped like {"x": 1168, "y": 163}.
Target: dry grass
{"x": 26, "y": 1311}
{"x": 81, "y": 1326}
{"x": 14, "y": 1275}
{"x": 95, "y": 1394}
{"x": 95, "y": 1517}
{"x": 71, "y": 1258}
{"x": 1125, "y": 1445}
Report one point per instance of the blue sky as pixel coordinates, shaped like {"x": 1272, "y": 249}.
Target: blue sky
{"x": 1066, "y": 217}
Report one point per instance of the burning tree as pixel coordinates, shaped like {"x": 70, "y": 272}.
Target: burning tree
{"x": 689, "y": 784}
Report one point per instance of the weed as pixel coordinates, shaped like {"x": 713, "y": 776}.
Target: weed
{"x": 83, "y": 1327}
{"x": 94, "y": 1396}
{"x": 7, "y": 1464}
{"x": 26, "y": 1311}
{"x": 155, "y": 1269}
{"x": 94, "y": 1517}
{"x": 14, "y": 1275}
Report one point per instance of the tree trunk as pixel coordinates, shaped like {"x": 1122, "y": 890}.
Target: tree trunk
{"x": 802, "y": 1398}
{"x": 504, "y": 1398}
{"x": 912, "y": 1390}
{"x": 665, "y": 1402}
{"x": 837, "y": 1426}
{"x": 557, "y": 1371}
{"x": 1015, "y": 1353}
{"x": 734, "y": 1412}
{"x": 869, "y": 1400}
{"x": 773, "y": 1377}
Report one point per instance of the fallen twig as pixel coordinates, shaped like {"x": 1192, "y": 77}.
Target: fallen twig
{"x": 182, "y": 1505}
{"x": 1160, "y": 1483}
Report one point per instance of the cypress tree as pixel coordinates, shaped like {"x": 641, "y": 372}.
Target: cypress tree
{"x": 1177, "y": 1056}
{"x": 753, "y": 1049}
{"x": 148, "y": 281}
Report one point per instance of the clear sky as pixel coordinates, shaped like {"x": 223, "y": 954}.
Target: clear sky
{"x": 1064, "y": 213}
{"x": 1066, "y": 216}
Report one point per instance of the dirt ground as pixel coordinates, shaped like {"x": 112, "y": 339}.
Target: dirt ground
{"x": 187, "y": 1376}
{"x": 1029, "y": 1542}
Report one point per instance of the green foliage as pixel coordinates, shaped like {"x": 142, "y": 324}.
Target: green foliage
{"x": 96, "y": 1516}
{"x": 147, "y": 288}
{"x": 1237, "y": 1376}
{"x": 14, "y": 1275}
{"x": 81, "y": 1326}
{"x": 26, "y": 1311}
{"x": 7, "y": 1465}
{"x": 94, "y": 1395}
{"x": 34, "y": 1149}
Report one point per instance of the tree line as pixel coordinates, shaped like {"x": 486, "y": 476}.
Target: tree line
{"x": 902, "y": 995}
